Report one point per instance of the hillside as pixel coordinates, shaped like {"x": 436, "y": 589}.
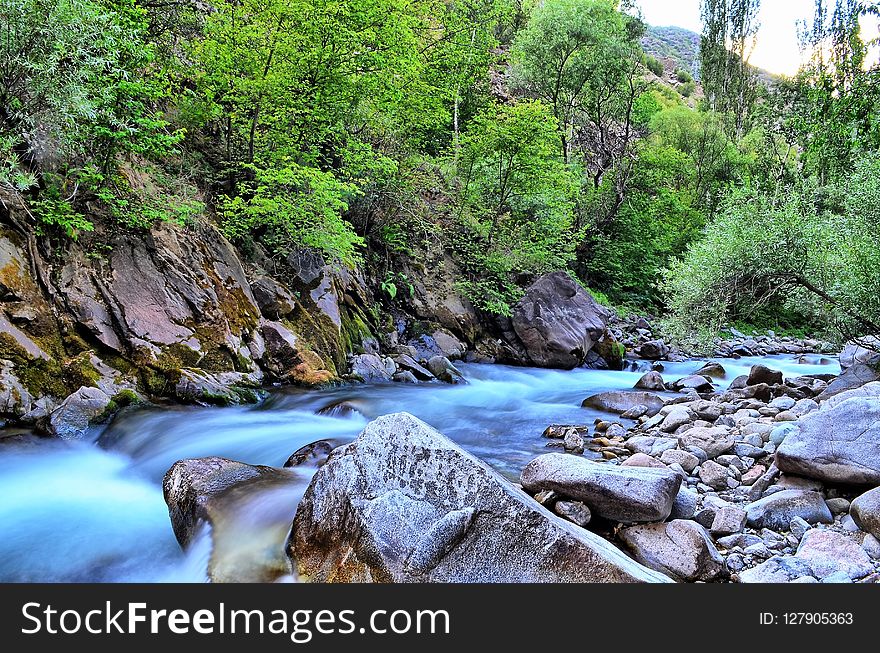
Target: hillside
{"x": 680, "y": 45}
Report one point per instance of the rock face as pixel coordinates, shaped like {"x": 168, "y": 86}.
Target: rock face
{"x": 558, "y": 322}
{"x": 619, "y": 401}
{"x": 189, "y": 486}
{"x": 402, "y": 503}
{"x": 840, "y": 445}
{"x": 865, "y": 511}
{"x": 624, "y": 494}
{"x": 682, "y": 549}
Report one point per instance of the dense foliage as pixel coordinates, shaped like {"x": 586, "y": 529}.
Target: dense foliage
{"x": 514, "y": 137}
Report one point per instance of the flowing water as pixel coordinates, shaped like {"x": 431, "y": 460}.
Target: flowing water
{"x": 93, "y": 510}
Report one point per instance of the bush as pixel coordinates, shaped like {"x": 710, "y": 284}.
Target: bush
{"x": 653, "y": 64}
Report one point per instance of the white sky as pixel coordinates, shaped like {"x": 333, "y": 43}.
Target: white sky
{"x": 777, "y": 48}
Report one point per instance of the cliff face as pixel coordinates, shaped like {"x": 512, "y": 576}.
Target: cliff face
{"x": 168, "y": 313}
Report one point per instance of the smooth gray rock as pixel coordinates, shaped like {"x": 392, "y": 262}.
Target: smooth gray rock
{"x": 840, "y": 445}
{"x": 369, "y": 368}
{"x": 865, "y": 511}
{"x": 686, "y": 459}
{"x": 77, "y": 412}
{"x": 651, "y": 381}
{"x": 785, "y": 569}
{"x": 828, "y": 552}
{"x": 777, "y": 510}
{"x": 649, "y": 444}
{"x": 855, "y": 377}
{"x": 868, "y": 390}
{"x": 682, "y": 549}
{"x": 714, "y": 441}
{"x": 624, "y": 494}
{"x": 863, "y": 351}
{"x": 685, "y": 504}
{"x": 620, "y": 401}
{"x": 403, "y": 503}
{"x": 558, "y": 322}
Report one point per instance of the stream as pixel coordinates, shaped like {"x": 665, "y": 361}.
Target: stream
{"x": 93, "y": 511}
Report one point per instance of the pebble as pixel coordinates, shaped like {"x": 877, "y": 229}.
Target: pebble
{"x": 734, "y": 563}
{"x": 799, "y": 527}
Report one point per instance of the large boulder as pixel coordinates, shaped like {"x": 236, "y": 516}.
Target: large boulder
{"x": 868, "y": 390}
{"x": 369, "y": 368}
{"x": 681, "y": 548}
{"x": 620, "y": 401}
{"x": 776, "y": 510}
{"x": 558, "y": 321}
{"x": 828, "y": 552}
{"x": 862, "y": 351}
{"x": 840, "y": 445}
{"x": 403, "y": 503}
{"x": 624, "y": 494}
{"x": 865, "y": 511}
{"x": 654, "y": 350}
{"x": 852, "y": 378}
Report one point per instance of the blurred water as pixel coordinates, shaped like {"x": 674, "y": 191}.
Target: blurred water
{"x": 94, "y": 511}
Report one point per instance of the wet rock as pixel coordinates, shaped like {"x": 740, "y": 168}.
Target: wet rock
{"x": 619, "y": 401}
{"x": 651, "y": 381}
{"x": 653, "y": 350}
{"x": 369, "y": 368}
{"x": 312, "y": 455}
{"x": 625, "y": 494}
{"x": 190, "y": 485}
{"x": 784, "y": 569}
{"x": 699, "y": 383}
{"x": 217, "y": 388}
{"x": 408, "y": 364}
{"x": 828, "y": 552}
{"x": 339, "y": 409}
{"x": 274, "y": 299}
{"x": 635, "y": 412}
{"x": 558, "y": 321}
{"x": 404, "y": 377}
{"x": 371, "y": 514}
{"x": 763, "y": 374}
{"x": 840, "y": 445}
{"x": 715, "y": 370}
{"x": 443, "y": 369}
{"x": 573, "y": 442}
{"x": 777, "y": 510}
{"x": 559, "y": 431}
{"x": 574, "y": 511}
{"x": 682, "y": 549}
{"x": 77, "y": 412}
{"x": 865, "y": 511}
{"x": 714, "y": 441}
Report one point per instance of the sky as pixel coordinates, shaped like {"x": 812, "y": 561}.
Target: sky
{"x": 776, "y": 49}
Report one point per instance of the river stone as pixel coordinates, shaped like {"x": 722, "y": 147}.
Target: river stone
{"x": 865, "y": 511}
{"x": 558, "y": 322}
{"x": 840, "y": 445}
{"x": 443, "y": 369}
{"x": 868, "y": 390}
{"x": 403, "y": 503}
{"x": 624, "y": 494}
{"x": 314, "y": 454}
{"x": 779, "y": 433}
{"x": 369, "y": 368}
{"x": 653, "y": 350}
{"x": 728, "y": 519}
{"x": 686, "y": 459}
{"x": 854, "y": 377}
{"x": 651, "y": 381}
{"x": 783, "y": 569}
{"x": 776, "y": 510}
{"x": 715, "y": 441}
{"x": 574, "y": 511}
{"x": 694, "y": 382}
{"x": 643, "y": 460}
{"x": 649, "y": 444}
{"x": 676, "y": 417}
{"x": 856, "y": 352}
{"x": 712, "y": 369}
{"x": 407, "y": 363}
{"x": 828, "y": 552}
{"x": 190, "y": 485}
{"x": 713, "y": 475}
{"x": 620, "y": 401}
{"x": 77, "y": 412}
{"x": 682, "y": 549}
{"x": 763, "y": 374}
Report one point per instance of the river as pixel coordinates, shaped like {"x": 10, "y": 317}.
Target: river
{"x": 93, "y": 510}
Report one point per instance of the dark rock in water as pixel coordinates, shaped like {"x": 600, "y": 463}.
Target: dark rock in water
{"x": 680, "y": 548}
{"x": 339, "y": 409}
{"x": 218, "y": 388}
{"x": 739, "y": 382}
{"x": 558, "y": 322}
{"x": 625, "y": 494}
{"x": 759, "y": 391}
{"x": 651, "y": 381}
{"x": 190, "y": 485}
{"x": 404, "y": 377}
{"x": 606, "y": 354}
{"x": 865, "y": 511}
{"x": 653, "y": 350}
{"x": 559, "y": 431}
{"x": 314, "y": 454}
{"x": 776, "y": 510}
{"x": 854, "y": 377}
{"x": 408, "y": 364}
{"x": 620, "y": 401}
{"x": 838, "y": 445}
{"x": 763, "y": 374}
{"x": 402, "y": 503}
{"x": 695, "y": 381}
{"x": 715, "y": 370}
